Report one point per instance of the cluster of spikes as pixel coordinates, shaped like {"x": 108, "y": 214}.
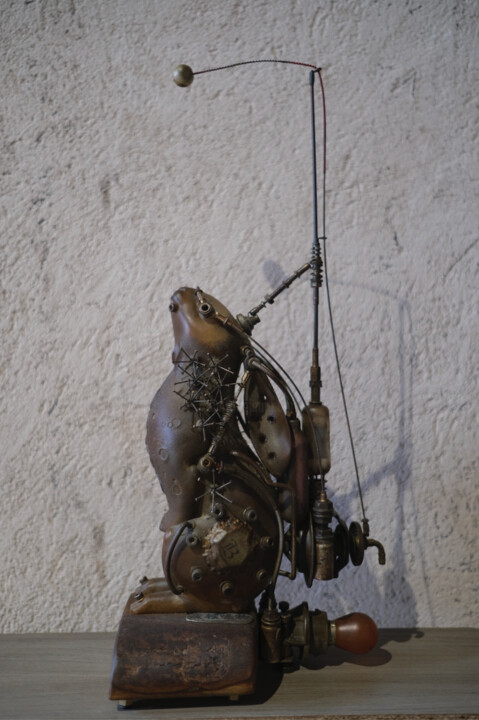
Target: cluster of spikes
{"x": 204, "y": 390}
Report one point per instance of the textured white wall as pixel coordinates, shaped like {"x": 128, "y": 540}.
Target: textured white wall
{"x": 117, "y": 187}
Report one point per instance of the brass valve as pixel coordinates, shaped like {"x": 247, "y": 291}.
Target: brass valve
{"x": 312, "y": 633}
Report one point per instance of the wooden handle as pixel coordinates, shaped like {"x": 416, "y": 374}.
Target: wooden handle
{"x": 356, "y": 633}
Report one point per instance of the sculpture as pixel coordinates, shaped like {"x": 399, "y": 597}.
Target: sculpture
{"x": 245, "y": 487}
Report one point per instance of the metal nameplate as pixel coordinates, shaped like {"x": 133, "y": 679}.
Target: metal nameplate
{"x": 223, "y": 618}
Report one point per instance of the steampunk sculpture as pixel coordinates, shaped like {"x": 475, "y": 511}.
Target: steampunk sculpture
{"x": 244, "y": 474}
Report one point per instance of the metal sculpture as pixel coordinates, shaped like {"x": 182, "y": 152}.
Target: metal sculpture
{"x": 244, "y": 487}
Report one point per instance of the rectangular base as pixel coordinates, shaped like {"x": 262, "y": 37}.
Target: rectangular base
{"x": 163, "y": 655}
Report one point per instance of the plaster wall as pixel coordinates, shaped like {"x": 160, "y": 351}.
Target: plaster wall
{"x": 117, "y": 187}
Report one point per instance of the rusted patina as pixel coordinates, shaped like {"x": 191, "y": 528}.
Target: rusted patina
{"x": 163, "y": 655}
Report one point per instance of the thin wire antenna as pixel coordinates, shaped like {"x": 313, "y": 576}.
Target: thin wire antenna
{"x": 183, "y": 76}
{"x": 316, "y": 262}
{"x": 338, "y": 368}
{"x": 330, "y": 312}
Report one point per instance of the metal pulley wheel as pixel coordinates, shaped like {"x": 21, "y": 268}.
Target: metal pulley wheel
{"x": 307, "y": 554}
{"x": 357, "y": 543}
{"x": 341, "y": 547}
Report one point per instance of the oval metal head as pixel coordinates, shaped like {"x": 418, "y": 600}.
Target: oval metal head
{"x": 197, "y": 328}
{"x": 268, "y": 426}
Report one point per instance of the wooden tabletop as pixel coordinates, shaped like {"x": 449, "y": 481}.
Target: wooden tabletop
{"x": 411, "y": 672}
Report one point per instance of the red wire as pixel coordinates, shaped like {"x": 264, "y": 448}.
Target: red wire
{"x": 250, "y": 62}
{"x": 283, "y": 62}
{"x": 324, "y": 119}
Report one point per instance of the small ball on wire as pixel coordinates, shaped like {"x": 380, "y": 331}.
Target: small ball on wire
{"x": 183, "y": 75}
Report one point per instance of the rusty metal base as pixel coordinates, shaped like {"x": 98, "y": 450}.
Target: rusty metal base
{"x": 183, "y": 655}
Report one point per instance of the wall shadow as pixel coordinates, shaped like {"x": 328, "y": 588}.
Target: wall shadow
{"x": 397, "y": 473}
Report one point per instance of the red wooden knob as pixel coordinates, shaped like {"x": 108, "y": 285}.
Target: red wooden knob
{"x": 356, "y": 633}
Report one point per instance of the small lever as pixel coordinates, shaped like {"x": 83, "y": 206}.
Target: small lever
{"x": 370, "y": 542}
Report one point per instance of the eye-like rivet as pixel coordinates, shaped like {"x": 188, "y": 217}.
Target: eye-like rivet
{"x": 206, "y": 309}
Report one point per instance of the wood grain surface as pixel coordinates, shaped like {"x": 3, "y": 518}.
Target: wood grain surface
{"x": 411, "y": 673}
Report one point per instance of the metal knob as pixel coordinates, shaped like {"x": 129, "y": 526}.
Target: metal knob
{"x": 183, "y": 75}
